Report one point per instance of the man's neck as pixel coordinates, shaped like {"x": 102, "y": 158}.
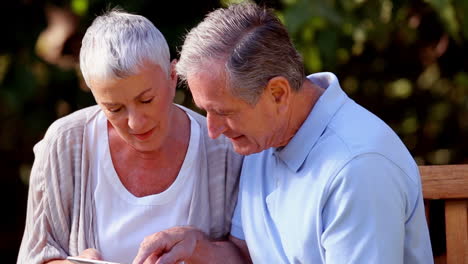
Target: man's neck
{"x": 302, "y": 104}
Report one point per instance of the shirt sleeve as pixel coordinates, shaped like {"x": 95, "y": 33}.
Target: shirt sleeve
{"x": 367, "y": 205}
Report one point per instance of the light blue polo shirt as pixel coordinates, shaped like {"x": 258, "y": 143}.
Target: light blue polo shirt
{"x": 344, "y": 190}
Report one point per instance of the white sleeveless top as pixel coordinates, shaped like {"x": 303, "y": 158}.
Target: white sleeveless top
{"x": 124, "y": 220}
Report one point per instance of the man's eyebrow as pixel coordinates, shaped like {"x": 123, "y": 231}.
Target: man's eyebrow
{"x": 110, "y": 104}
{"x": 211, "y": 108}
{"x": 219, "y": 110}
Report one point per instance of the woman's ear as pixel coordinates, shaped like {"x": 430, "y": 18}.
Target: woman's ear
{"x": 173, "y": 73}
{"x": 172, "y": 78}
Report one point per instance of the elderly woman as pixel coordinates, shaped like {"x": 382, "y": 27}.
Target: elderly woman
{"x": 107, "y": 176}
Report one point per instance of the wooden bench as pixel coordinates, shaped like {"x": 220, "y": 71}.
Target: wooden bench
{"x": 450, "y": 184}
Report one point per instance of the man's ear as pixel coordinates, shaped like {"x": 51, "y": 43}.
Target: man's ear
{"x": 280, "y": 92}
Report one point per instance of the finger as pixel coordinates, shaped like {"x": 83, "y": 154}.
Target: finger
{"x": 178, "y": 253}
{"x": 151, "y": 259}
{"x": 157, "y": 243}
{"x": 148, "y": 248}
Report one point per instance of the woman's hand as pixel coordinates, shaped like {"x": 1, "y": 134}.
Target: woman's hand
{"x": 89, "y": 253}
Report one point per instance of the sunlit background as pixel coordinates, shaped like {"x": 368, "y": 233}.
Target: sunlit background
{"x": 406, "y": 61}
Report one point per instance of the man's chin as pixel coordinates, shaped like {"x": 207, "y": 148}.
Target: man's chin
{"x": 246, "y": 150}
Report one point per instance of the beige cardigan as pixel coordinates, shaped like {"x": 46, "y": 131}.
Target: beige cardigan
{"x": 60, "y": 213}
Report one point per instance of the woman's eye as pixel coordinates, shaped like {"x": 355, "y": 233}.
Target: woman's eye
{"x": 114, "y": 110}
{"x": 147, "y": 101}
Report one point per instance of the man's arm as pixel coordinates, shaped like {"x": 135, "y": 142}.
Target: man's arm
{"x": 233, "y": 251}
{"x": 369, "y": 202}
{"x": 192, "y": 246}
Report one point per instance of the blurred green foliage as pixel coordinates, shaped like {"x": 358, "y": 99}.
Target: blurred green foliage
{"x": 406, "y": 61}
{"x": 403, "y": 60}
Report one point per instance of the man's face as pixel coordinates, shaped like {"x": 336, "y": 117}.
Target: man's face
{"x": 251, "y": 129}
{"x": 138, "y": 107}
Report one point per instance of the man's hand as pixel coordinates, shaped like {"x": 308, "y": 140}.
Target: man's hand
{"x": 169, "y": 246}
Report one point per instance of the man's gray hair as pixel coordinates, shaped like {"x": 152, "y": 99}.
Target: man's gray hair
{"x": 118, "y": 43}
{"x": 253, "y": 44}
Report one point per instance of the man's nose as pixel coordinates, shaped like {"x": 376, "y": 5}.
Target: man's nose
{"x": 216, "y": 125}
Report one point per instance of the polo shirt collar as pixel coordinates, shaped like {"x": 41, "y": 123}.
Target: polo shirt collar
{"x": 297, "y": 150}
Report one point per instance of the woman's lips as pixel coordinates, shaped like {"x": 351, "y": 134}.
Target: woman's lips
{"x": 145, "y": 135}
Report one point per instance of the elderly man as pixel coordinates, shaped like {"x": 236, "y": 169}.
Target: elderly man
{"x": 325, "y": 180}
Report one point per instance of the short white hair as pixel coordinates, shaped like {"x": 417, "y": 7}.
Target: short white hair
{"x": 117, "y": 44}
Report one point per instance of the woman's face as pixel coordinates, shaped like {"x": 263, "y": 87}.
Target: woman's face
{"x": 139, "y": 107}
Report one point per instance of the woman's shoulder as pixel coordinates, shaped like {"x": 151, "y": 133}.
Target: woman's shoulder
{"x": 196, "y": 116}
{"x": 63, "y": 141}
{"x": 201, "y": 120}
{"x": 216, "y": 149}
{"x": 72, "y": 124}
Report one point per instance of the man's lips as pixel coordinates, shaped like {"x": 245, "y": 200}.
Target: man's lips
{"x": 145, "y": 135}
{"x": 236, "y": 137}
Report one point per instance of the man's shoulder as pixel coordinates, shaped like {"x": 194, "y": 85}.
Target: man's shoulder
{"x": 360, "y": 131}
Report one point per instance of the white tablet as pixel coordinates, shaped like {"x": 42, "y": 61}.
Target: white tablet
{"x": 78, "y": 260}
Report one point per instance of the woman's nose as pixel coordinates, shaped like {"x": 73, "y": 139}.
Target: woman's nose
{"x": 136, "y": 121}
